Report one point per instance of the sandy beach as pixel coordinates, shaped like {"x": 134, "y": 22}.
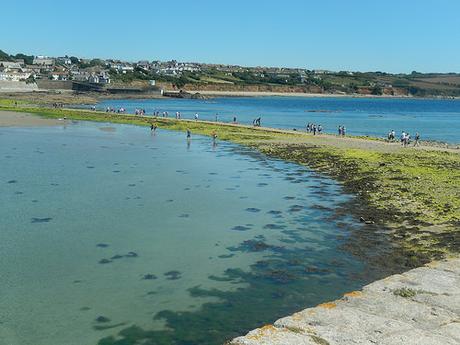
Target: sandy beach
{"x": 19, "y": 119}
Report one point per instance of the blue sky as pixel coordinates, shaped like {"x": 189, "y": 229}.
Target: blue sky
{"x": 391, "y": 36}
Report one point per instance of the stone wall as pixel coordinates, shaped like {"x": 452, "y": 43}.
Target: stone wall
{"x": 17, "y": 86}
{"x": 46, "y": 84}
{"x": 419, "y": 307}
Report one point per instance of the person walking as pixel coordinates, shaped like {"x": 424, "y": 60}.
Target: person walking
{"x": 417, "y": 139}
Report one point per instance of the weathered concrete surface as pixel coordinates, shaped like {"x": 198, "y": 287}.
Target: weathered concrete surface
{"x": 419, "y": 307}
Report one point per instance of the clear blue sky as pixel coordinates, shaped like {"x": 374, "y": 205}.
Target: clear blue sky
{"x": 364, "y": 35}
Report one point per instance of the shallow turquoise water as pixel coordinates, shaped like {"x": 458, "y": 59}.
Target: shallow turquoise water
{"x": 109, "y": 232}
{"x": 434, "y": 119}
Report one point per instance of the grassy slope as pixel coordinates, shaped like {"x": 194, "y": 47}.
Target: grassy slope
{"x": 411, "y": 195}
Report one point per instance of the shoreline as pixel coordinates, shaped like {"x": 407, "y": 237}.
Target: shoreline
{"x": 47, "y": 97}
{"x": 406, "y": 198}
{"x": 217, "y": 94}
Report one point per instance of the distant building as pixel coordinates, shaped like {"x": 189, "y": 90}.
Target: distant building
{"x": 96, "y": 78}
{"x": 43, "y": 61}
{"x": 144, "y": 65}
{"x": 64, "y": 60}
{"x": 59, "y": 76}
{"x": 13, "y": 71}
{"x": 9, "y": 64}
{"x": 320, "y": 71}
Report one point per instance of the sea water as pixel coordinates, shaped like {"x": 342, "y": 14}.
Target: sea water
{"x": 434, "y": 119}
{"x": 112, "y": 234}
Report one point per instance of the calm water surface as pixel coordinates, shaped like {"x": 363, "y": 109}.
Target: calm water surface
{"x": 112, "y": 235}
{"x": 434, "y": 119}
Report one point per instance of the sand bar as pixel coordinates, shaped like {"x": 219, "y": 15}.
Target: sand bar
{"x": 19, "y": 119}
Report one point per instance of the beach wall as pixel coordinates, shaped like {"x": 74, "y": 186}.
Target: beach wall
{"x": 17, "y": 86}
{"x": 46, "y": 84}
{"x": 419, "y": 307}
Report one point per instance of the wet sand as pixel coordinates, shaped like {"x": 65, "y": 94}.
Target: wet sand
{"x": 19, "y": 119}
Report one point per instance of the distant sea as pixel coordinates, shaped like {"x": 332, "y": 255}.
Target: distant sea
{"x": 437, "y": 120}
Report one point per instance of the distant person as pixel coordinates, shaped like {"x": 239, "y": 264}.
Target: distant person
{"x": 314, "y": 129}
{"x": 234, "y": 119}
{"x": 189, "y": 134}
{"x": 217, "y": 116}
{"x": 258, "y": 122}
{"x": 308, "y": 127}
{"x": 151, "y": 127}
{"x": 343, "y": 131}
{"x": 196, "y": 116}
{"x": 407, "y": 141}
{"x": 417, "y": 139}
{"x": 403, "y": 138}
{"x": 340, "y": 130}
{"x": 320, "y": 129}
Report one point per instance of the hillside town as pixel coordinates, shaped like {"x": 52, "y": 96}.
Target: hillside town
{"x": 22, "y": 72}
{"x": 99, "y": 71}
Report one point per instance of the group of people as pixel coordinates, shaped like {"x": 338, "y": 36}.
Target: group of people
{"x": 255, "y": 122}
{"x": 342, "y": 131}
{"x": 405, "y": 138}
{"x": 157, "y": 113}
{"x": 314, "y": 128}
{"x": 112, "y": 110}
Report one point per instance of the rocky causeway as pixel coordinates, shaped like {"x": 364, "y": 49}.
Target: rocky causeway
{"x": 418, "y": 307}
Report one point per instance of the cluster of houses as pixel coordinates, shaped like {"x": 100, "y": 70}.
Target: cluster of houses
{"x": 65, "y": 68}
{"x": 61, "y": 68}
{"x": 14, "y": 71}
{"x": 97, "y": 71}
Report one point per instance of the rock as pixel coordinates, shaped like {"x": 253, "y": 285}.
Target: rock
{"x": 149, "y": 277}
{"x": 105, "y": 261}
{"x": 173, "y": 275}
{"x": 102, "y": 319}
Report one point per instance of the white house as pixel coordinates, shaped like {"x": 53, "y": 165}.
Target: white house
{"x": 13, "y": 74}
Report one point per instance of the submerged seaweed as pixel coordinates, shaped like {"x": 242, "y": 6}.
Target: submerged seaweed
{"x": 41, "y": 220}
